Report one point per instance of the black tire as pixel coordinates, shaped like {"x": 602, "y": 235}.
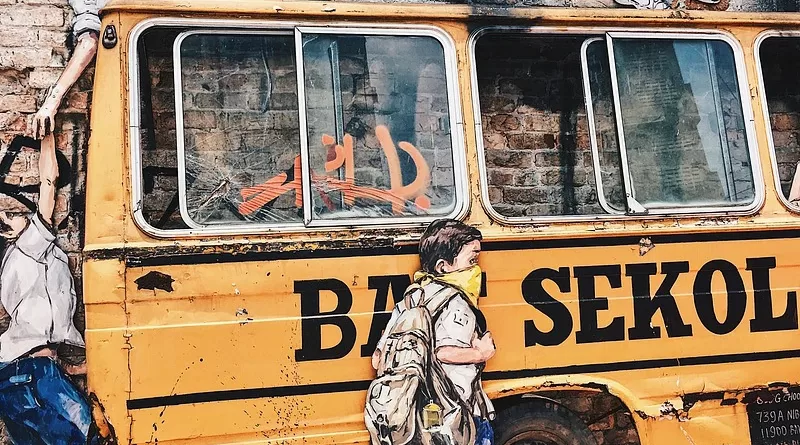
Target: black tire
{"x": 540, "y": 422}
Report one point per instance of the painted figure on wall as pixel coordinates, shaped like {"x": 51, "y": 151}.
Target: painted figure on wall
{"x": 38, "y": 402}
{"x": 435, "y": 346}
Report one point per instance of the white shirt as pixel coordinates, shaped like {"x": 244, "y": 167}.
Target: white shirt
{"x": 86, "y": 16}
{"x": 455, "y": 327}
{"x": 37, "y": 291}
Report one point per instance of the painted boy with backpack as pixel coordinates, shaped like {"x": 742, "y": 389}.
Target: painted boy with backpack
{"x": 435, "y": 346}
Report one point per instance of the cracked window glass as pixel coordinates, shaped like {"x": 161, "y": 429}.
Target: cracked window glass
{"x": 683, "y": 123}
{"x": 378, "y": 125}
{"x": 241, "y": 134}
{"x": 780, "y": 63}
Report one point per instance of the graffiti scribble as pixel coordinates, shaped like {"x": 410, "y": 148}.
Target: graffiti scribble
{"x": 341, "y": 156}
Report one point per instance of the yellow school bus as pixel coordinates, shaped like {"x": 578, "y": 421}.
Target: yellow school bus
{"x": 259, "y": 174}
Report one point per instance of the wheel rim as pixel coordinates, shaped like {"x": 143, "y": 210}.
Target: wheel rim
{"x": 536, "y": 437}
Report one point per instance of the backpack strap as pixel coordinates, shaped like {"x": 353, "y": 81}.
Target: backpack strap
{"x": 436, "y": 302}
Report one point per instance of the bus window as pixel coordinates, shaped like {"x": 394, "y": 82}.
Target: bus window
{"x": 378, "y": 121}
{"x": 660, "y": 127}
{"x": 536, "y": 146}
{"x": 228, "y": 138}
{"x": 682, "y": 123}
{"x": 779, "y": 68}
{"x": 230, "y": 141}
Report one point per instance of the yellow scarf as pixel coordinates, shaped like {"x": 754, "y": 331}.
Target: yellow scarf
{"x": 466, "y": 280}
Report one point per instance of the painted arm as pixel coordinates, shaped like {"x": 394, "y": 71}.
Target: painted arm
{"x": 482, "y": 349}
{"x": 48, "y": 173}
{"x": 44, "y": 119}
{"x": 376, "y": 359}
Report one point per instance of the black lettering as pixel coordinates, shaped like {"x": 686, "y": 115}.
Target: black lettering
{"x": 313, "y": 319}
{"x": 762, "y": 295}
{"x": 645, "y": 306}
{"x": 589, "y": 304}
{"x": 382, "y": 284}
{"x": 534, "y": 294}
{"x": 704, "y": 301}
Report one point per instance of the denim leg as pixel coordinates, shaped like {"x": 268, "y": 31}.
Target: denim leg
{"x": 64, "y": 410}
{"x": 484, "y": 434}
{"x": 20, "y": 434}
{"x": 19, "y": 409}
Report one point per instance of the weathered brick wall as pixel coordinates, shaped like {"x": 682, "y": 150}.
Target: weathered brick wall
{"x": 34, "y": 46}
{"x": 33, "y": 50}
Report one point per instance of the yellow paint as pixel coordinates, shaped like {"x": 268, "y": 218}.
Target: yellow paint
{"x": 196, "y": 339}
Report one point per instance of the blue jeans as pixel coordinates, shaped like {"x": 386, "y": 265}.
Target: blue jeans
{"x": 40, "y": 406}
{"x": 485, "y": 433}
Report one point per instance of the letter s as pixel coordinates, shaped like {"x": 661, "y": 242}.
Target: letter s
{"x": 534, "y": 294}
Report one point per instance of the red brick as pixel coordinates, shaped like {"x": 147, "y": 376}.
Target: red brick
{"x": 32, "y": 16}
{"x": 17, "y": 103}
{"x": 77, "y": 101}
{"x": 43, "y": 77}
{"x": 25, "y": 57}
{"x": 14, "y": 122}
{"x": 505, "y": 122}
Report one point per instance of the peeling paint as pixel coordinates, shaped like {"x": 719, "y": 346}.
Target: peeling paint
{"x": 645, "y": 245}
{"x": 155, "y": 280}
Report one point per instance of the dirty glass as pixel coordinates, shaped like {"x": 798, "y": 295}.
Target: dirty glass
{"x": 683, "y": 124}
{"x": 780, "y": 63}
{"x": 241, "y": 136}
{"x": 378, "y": 123}
{"x": 157, "y": 131}
{"x": 598, "y": 72}
{"x": 535, "y": 128}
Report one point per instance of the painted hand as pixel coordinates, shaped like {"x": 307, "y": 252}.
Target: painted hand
{"x": 485, "y": 346}
{"x": 44, "y": 121}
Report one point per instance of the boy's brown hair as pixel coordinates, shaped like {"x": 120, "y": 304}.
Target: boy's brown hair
{"x": 444, "y": 239}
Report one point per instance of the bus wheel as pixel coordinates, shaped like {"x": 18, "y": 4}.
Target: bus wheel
{"x": 541, "y": 422}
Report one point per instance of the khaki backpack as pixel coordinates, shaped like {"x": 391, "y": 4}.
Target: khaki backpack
{"x": 402, "y": 401}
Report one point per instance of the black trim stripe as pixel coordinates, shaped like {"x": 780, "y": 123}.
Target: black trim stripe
{"x": 360, "y": 385}
{"x": 161, "y": 256}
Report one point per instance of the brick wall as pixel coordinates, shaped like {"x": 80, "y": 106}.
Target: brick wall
{"x": 34, "y": 46}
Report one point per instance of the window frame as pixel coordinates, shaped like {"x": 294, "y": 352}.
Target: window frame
{"x": 603, "y": 32}
{"x": 230, "y": 26}
{"x": 594, "y": 145}
{"x": 773, "y": 156}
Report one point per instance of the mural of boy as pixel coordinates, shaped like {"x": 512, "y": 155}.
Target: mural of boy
{"x": 449, "y": 251}
{"x": 38, "y": 402}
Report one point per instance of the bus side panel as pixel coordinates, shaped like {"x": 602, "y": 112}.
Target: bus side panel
{"x": 276, "y": 348}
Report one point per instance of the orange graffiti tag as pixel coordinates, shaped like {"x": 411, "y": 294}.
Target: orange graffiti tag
{"x": 340, "y": 156}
